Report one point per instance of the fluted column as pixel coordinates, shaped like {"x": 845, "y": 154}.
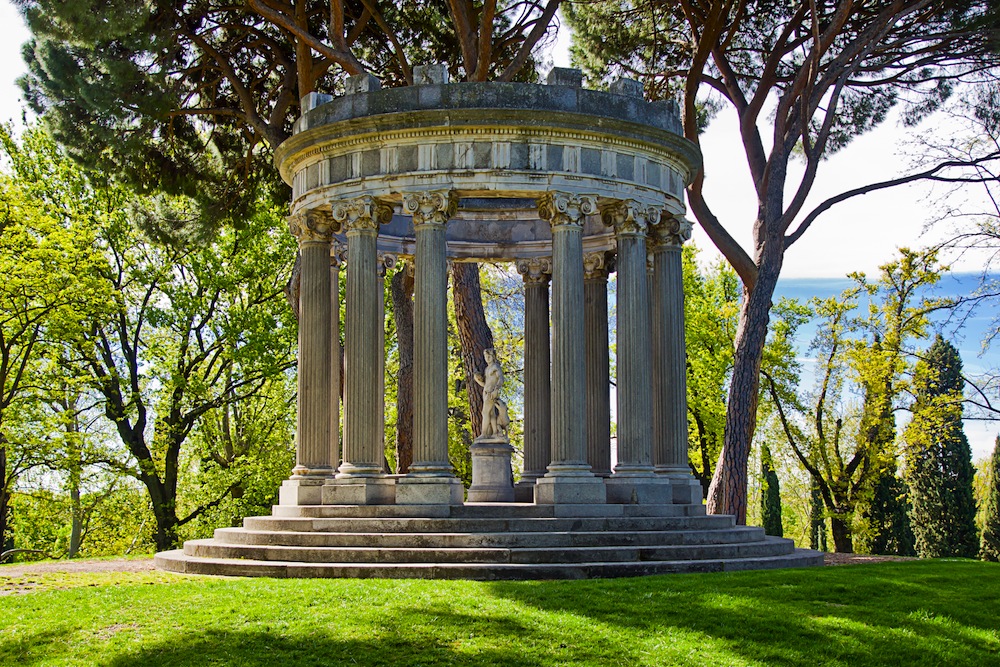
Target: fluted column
{"x": 569, "y": 479}
{"x": 537, "y": 368}
{"x": 597, "y": 266}
{"x": 384, "y": 262}
{"x": 430, "y": 479}
{"x": 670, "y": 429}
{"x": 338, "y": 258}
{"x": 359, "y": 478}
{"x": 633, "y": 480}
{"x": 314, "y": 231}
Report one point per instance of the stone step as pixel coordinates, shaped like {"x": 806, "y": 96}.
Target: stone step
{"x": 483, "y": 511}
{"x": 213, "y": 549}
{"x": 177, "y": 561}
{"x": 486, "y": 525}
{"x": 524, "y": 539}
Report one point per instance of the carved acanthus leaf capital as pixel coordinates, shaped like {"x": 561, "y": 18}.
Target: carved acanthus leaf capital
{"x": 364, "y": 212}
{"x": 384, "y": 262}
{"x": 628, "y": 216}
{"x": 338, "y": 254}
{"x": 564, "y": 209}
{"x": 535, "y": 270}
{"x": 312, "y": 226}
{"x": 597, "y": 265}
{"x": 672, "y": 231}
{"x": 436, "y": 207}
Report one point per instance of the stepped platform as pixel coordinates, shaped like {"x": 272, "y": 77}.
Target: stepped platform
{"x": 485, "y": 541}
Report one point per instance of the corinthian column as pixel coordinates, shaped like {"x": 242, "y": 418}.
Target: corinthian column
{"x": 338, "y": 257}
{"x": 670, "y": 430}
{"x": 537, "y": 387}
{"x": 569, "y": 479}
{"x": 430, "y": 479}
{"x": 314, "y": 230}
{"x": 360, "y": 479}
{"x": 633, "y": 479}
{"x": 596, "y": 267}
{"x": 384, "y": 262}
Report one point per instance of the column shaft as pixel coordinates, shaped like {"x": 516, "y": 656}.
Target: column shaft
{"x": 430, "y": 352}
{"x": 313, "y": 455}
{"x": 671, "y": 394}
{"x": 568, "y": 381}
{"x": 335, "y": 358}
{"x": 596, "y": 351}
{"x": 362, "y": 357}
{"x": 635, "y": 456}
{"x": 537, "y": 369}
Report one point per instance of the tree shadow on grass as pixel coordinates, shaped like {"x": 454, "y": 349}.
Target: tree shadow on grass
{"x": 907, "y": 614}
{"x": 265, "y": 649}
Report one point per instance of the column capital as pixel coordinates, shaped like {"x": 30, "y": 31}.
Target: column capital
{"x": 361, "y": 213}
{"x": 597, "y": 265}
{"x": 312, "y": 226}
{"x": 384, "y": 261}
{"x": 566, "y": 209}
{"x": 671, "y": 232}
{"x": 535, "y": 270}
{"x": 338, "y": 254}
{"x": 435, "y": 207}
{"x": 628, "y": 216}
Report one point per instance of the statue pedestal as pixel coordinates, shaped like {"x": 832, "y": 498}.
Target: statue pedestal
{"x": 492, "y": 481}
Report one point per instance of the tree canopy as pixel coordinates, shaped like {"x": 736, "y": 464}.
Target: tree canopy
{"x": 804, "y": 79}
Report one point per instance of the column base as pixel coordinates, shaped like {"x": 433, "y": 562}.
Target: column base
{"x": 639, "y": 490}
{"x": 524, "y": 490}
{"x": 428, "y": 490}
{"x": 570, "y": 489}
{"x": 687, "y": 490}
{"x": 305, "y": 491}
{"x": 360, "y": 491}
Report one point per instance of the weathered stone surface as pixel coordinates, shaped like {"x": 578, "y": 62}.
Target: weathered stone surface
{"x": 492, "y": 481}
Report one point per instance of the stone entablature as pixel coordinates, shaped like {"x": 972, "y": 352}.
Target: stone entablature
{"x": 499, "y": 147}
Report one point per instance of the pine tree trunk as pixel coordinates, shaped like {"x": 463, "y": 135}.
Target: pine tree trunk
{"x": 473, "y": 333}
{"x": 843, "y": 543}
{"x": 728, "y": 491}
{"x": 401, "y": 289}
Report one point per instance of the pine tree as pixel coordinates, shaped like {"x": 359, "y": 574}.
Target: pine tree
{"x": 885, "y": 519}
{"x": 770, "y": 495}
{"x": 939, "y": 462}
{"x": 989, "y": 548}
{"x": 817, "y": 519}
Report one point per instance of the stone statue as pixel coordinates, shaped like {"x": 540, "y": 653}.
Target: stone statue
{"x": 495, "y": 419}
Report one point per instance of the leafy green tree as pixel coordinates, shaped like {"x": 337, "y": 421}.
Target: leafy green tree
{"x": 845, "y": 450}
{"x": 989, "y": 546}
{"x": 804, "y": 78}
{"x": 47, "y": 260}
{"x": 193, "y": 331}
{"x": 938, "y": 459}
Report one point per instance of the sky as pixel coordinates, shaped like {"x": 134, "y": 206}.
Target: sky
{"x": 859, "y": 235}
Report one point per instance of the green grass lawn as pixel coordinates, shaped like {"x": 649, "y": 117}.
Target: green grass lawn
{"x": 914, "y": 613}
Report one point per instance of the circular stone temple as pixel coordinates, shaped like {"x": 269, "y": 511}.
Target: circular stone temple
{"x": 567, "y": 184}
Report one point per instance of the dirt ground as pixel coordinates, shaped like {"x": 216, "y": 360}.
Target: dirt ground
{"x": 65, "y": 566}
